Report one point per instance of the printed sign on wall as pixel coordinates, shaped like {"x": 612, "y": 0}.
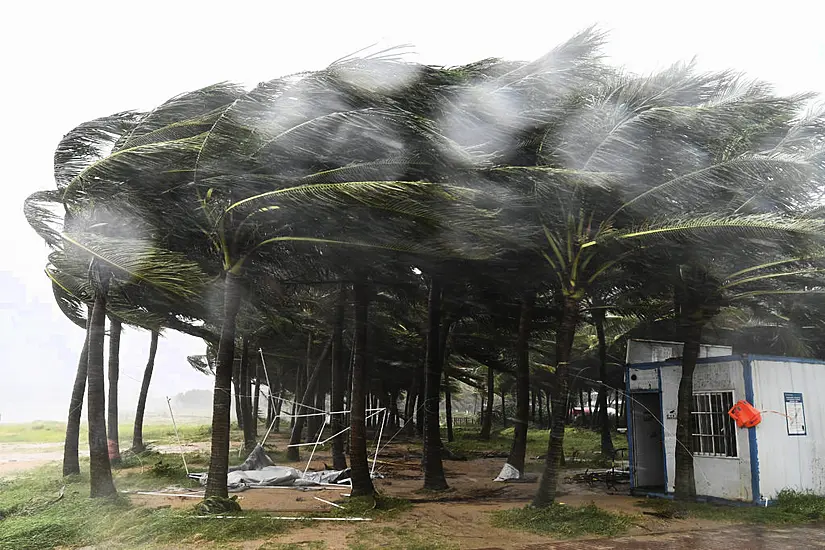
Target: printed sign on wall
{"x": 795, "y": 414}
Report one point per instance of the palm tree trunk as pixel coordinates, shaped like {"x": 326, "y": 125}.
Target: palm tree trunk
{"x": 503, "y": 410}
{"x": 99, "y": 466}
{"x": 236, "y": 385}
{"x": 409, "y": 405}
{"x": 555, "y": 446}
{"x": 115, "y": 329}
{"x": 604, "y": 418}
{"x": 448, "y": 397}
{"x": 394, "y": 409}
{"x": 685, "y": 483}
{"x": 547, "y": 402}
{"x": 360, "y": 473}
{"x": 337, "y": 379}
{"x": 221, "y": 399}
{"x": 433, "y": 467}
{"x": 300, "y": 373}
{"x": 519, "y": 447}
{"x": 420, "y": 402}
{"x": 137, "y": 437}
{"x": 539, "y": 408}
{"x": 314, "y": 422}
{"x": 71, "y": 463}
{"x": 292, "y": 453}
{"x": 487, "y": 420}
{"x": 246, "y": 401}
{"x": 448, "y": 406}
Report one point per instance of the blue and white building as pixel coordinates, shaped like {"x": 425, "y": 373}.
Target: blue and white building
{"x": 785, "y": 451}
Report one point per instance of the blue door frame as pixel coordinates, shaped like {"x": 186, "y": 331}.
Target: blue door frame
{"x": 747, "y": 372}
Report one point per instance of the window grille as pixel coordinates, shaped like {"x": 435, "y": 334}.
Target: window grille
{"x": 714, "y": 432}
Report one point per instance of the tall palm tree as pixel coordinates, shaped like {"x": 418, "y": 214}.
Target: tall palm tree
{"x": 115, "y": 329}
{"x": 138, "y": 446}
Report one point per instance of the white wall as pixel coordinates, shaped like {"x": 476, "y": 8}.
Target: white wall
{"x": 643, "y": 379}
{"x": 785, "y": 461}
{"x": 721, "y": 477}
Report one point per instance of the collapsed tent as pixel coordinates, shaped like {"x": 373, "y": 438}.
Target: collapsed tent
{"x": 258, "y": 470}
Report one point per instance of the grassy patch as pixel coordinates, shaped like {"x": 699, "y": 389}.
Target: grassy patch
{"x": 34, "y": 517}
{"x": 375, "y": 538}
{"x": 382, "y": 506}
{"x": 790, "y": 507}
{"x": 304, "y": 545}
{"x": 153, "y": 433}
{"x": 33, "y": 432}
{"x": 563, "y": 521}
{"x": 580, "y": 443}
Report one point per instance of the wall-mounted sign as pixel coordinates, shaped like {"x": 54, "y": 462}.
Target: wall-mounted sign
{"x": 795, "y": 414}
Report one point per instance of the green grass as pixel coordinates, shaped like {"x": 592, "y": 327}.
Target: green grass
{"x": 563, "y": 521}
{"x": 33, "y": 432}
{"x": 305, "y": 545}
{"x": 581, "y": 443}
{"x": 35, "y": 518}
{"x": 375, "y": 538}
{"x": 790, "y": 507}
{"x": 382, "y": 506}
{"x": 154, "y": 433}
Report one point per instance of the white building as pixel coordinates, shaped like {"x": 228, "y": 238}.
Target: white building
{"x": 785, "y": 451}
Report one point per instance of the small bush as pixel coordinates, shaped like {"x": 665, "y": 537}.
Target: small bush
{"x": 803, "y": 505}
{"x": 563, "y": 521}
{"x": 789, "y": 507}
{"x": 218, "y": 505}
{"x": 379, "y": 505}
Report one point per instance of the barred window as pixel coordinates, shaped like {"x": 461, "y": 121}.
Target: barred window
{"x": 714, "y": 432}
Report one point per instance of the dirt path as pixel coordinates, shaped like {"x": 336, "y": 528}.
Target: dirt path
{"x": 19, "y": 457}
{"x": 460, "y": 516}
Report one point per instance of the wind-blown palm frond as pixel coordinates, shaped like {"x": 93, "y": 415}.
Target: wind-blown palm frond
{"x": 185, "y": 115}
{"x": 138, "y": 261}
{"x": 709, "y": 229}
{"x": 40, "y": 209}
{"x": 89, "y": 142}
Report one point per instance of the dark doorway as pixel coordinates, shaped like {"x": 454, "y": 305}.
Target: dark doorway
{"x": 648, "y": 463}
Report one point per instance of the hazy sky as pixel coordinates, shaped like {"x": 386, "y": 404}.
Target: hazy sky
{"x": 67, "y": 62}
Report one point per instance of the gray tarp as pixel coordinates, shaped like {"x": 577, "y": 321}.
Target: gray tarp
{"x": 258, "y": 470}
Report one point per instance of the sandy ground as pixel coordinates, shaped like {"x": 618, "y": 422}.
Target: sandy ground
{"x": 19, "y": 457}
{"x": 459, "y": 515}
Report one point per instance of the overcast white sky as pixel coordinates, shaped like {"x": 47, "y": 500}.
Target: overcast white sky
{"x": 66, "y": 62}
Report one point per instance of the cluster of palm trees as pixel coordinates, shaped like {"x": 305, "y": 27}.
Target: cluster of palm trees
{"x": 369, "y": 230}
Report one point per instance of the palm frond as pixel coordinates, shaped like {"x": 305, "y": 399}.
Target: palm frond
{"x": 139, "y": 261}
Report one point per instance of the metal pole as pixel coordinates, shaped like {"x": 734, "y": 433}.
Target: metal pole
{"x": 320, "y": 433}
{"x": 177, "y": 435}
{"x": 378, "y": 444}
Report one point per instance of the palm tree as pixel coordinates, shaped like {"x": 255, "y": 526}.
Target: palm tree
{"x": 115, "y": 329}
{"x": 361, "y": 479}
{"x": 556, "y": 178}
{"x": 337, "y": 379}
{"x": 138, "y": 446}
{"x": 71, "y": 463}
{"x": 433, "y": 468}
